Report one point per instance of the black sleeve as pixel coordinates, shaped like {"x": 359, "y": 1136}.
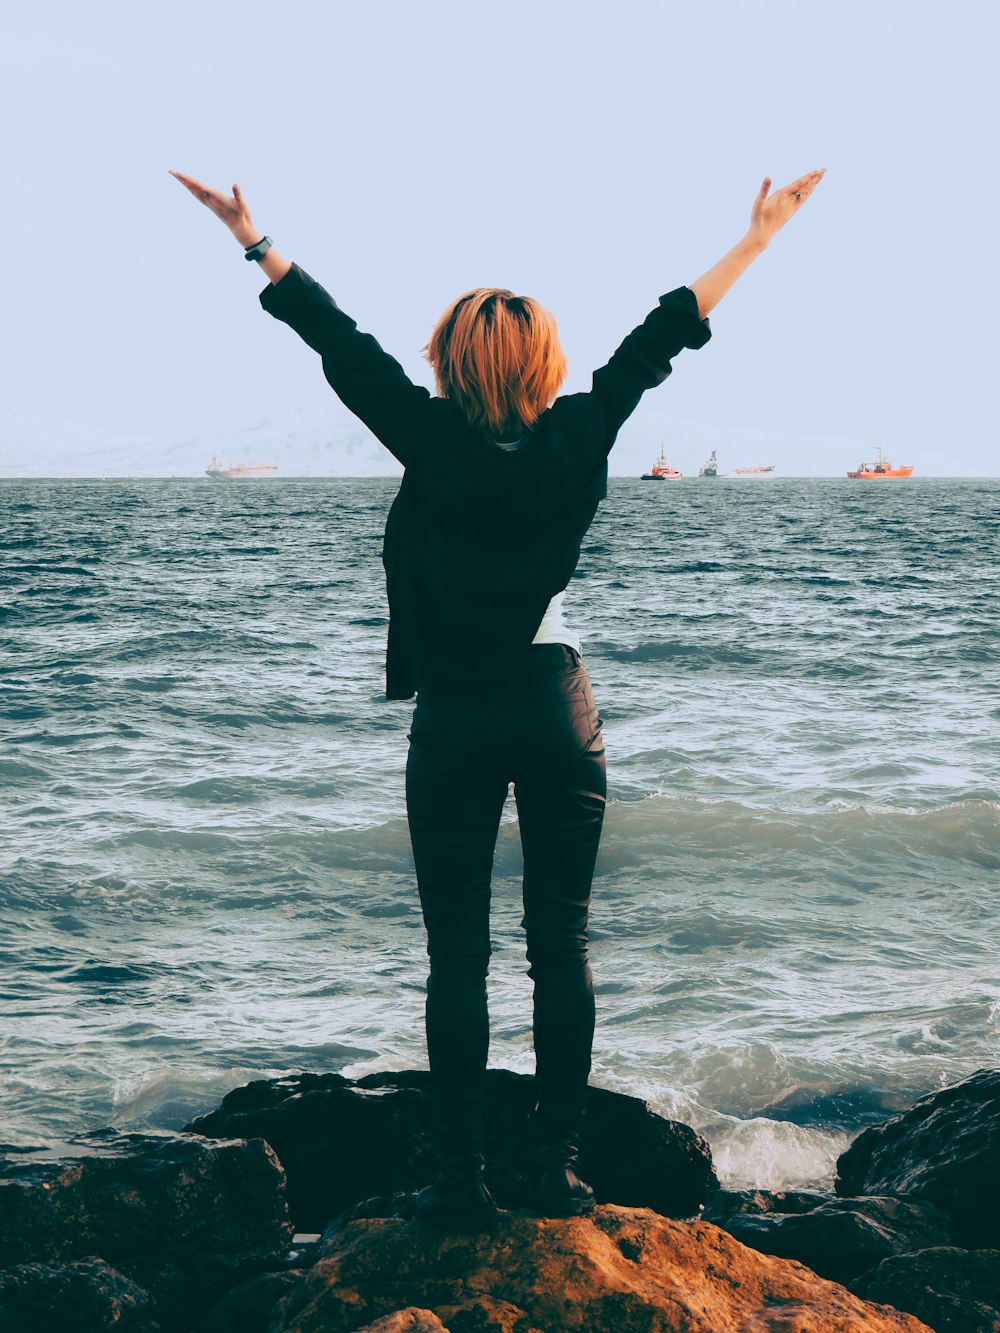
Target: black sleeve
{"x": 643, "y": 359}
{"x": 365, "y": 378}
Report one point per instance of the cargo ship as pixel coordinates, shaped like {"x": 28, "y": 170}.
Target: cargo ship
{"x": 662, "y": 471}
{"x": 759, "y": 471}
{"x": 239, "y": 471}
{"x": 882, "y": 467}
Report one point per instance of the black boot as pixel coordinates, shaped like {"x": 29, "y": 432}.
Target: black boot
{"x": 558, "y": 1190}
{"x": 458, "y": 1200}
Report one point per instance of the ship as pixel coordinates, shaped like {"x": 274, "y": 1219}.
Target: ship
{"x": 882, "y": 467}
{"x": 711, "y": 468}
{"x": 239, "y": 471}
{"x": 759, "y": 471}
{"x": 662, "y": 471}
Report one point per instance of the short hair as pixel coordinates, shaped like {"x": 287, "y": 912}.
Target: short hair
{"x": 498, "y": 357}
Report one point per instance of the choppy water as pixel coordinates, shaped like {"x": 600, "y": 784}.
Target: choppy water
{"x": 205, "y": 874}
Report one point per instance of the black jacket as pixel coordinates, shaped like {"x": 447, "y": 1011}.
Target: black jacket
{"x": 478, "y": 538}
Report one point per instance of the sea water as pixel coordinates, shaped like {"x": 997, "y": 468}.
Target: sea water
{"x": 205, "y": 873}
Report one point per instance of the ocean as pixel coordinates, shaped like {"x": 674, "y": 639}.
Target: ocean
{"x": 205, "y": 873}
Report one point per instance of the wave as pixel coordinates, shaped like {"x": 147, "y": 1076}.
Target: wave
{"x": 650, "y": 831}
{"x": 964, "y": 830}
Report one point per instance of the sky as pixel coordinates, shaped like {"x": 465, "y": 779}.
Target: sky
{"x": 592, "y": 155}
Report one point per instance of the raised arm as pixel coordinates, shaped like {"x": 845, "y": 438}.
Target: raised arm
{"x": 643, "y": 359}
{"x": 371, "y": 383}
{"x": 680, "y": 320}
{"x": 768, "y": 215}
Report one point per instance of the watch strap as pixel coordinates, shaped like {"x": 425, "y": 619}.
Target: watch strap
{"x": 258, "y": 249}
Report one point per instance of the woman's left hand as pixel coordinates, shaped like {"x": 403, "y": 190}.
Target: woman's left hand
{"x": 232, "y": 210}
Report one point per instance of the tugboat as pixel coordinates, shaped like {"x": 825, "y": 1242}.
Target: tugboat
{"x": 882, "y": 467}
{"x": 662, "y": 471}
{"x": 239, "y": 471}
{"x": 753, "y": 471}
{"x": 711, "y": 468}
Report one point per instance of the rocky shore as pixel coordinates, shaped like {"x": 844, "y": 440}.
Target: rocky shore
{"x": 287, "y": 1210}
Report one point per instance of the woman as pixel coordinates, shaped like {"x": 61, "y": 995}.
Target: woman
{"x": 501, "y": 481}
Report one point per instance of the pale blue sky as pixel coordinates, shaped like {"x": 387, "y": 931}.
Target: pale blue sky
{"x": 592, "y": 155}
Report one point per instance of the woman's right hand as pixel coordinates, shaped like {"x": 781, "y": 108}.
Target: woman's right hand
{"x": 232, "y": 210}
{"x": 770, "y": 212}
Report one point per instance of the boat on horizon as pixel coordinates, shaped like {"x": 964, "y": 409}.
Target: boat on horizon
{"x": 711, "y": 468}
{"x": 882, "y": 467}
{"x": 239, "y": 471}
{"x": 761, "y": 470}
{"x": 662, "y": 471}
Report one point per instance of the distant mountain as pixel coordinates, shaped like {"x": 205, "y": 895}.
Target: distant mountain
{"x": 324, "y": 440}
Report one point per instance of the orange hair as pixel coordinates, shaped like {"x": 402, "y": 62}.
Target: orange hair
{"x": 498, "y": 357}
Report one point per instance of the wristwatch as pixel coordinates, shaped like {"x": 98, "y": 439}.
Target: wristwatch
{"x": 258, "y": 249}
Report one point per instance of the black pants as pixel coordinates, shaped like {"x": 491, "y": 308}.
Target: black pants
{"x": 539, "y": 729}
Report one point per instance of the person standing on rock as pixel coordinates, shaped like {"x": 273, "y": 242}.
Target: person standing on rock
{"x": 502, "y": 478}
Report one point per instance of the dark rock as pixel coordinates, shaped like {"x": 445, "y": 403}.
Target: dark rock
{"x": 338, "y": 1142}
{"x": 83, "y": 1297}
{"x": 946, "y": 1148}
{"x": 844, "y": 1237}
{"x": 952, "y": 1290}
{"x": 619, "y": 1271}
{"x": 247, "y": 1308}
{"x": 398, "y": 1204}
{"x": 724, "y": 1204}
{"x": 182, "y": 1216}
{"x": 343, "y": 1141}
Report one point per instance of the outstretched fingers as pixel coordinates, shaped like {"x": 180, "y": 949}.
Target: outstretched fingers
{"x": 195, "y": 186}
{"x": 805, "y": 185}
{"x": 213, "y": 199}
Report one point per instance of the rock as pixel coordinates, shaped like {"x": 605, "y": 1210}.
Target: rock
{"x": 725, "y": 1204}
{"x": 86, "y": 1297}
{"x": 843, "y": 1238}
{"x": 247, "y": 1307}
{"x": 182, "y": 1216}
{"x": 483, "y": 1314}
{"x": 952, "y": 1290}
{"x": 946, "y": 1148}
{"x": 412, "y": 1320}
{"x": 342, "y": 1141}
{"x": 618, "y": 1271}
{"x": 337, "y": 1141}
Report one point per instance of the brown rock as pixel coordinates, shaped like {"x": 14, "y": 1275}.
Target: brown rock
{"x": 412, "y": 1320}
{"x": 621, "y": 1271}
{"x": 483, "y": 1314}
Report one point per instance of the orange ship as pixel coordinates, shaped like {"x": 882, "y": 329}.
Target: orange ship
{"x": 882, "y": 467}
{"x": 239, "y": 471}
{"x": 662, "y": 471}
